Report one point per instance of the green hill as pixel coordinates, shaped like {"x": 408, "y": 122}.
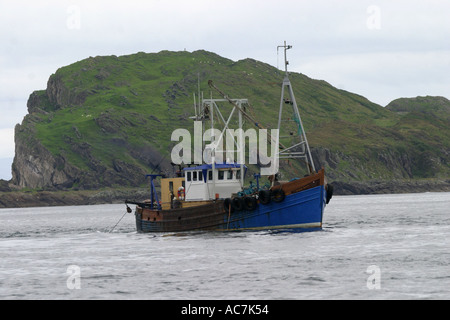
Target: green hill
{"x": 437, "y": 106}
{"x": 107, "y": 121}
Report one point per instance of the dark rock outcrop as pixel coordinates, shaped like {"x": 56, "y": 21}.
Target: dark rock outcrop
{"x": 394, "y": 186}
{"x": 61, "y": 96}
{"x": 22, "y": 199}
{"x": 4, "y": 186}
{"x": 35, "y": 167}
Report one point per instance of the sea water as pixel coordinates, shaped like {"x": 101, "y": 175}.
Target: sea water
{"x": 371, "y": 247}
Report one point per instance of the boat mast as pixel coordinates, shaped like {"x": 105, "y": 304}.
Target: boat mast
{"x": 299, "y": 147}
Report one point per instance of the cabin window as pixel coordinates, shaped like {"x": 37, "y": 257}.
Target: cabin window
{"x": 171, "y": 186}
{"x": 200, "y": 176}
{"x": 238, "y": 174}
{"x": 230, "y": 175}
{"x": 210, "y": 173}
{"x": 194, "y": 176}
{"x": 221, "y": 175}
{"x": 188, "y": 176}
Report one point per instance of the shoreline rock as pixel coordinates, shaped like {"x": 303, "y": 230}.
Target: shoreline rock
{"x": 27, "y": 199}
{"x": 390, "y": 187}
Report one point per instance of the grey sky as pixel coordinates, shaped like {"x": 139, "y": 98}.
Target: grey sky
{"x": 382, "y": 50}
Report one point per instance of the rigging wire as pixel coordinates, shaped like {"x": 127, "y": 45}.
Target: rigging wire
{"x": 128, "y": 211}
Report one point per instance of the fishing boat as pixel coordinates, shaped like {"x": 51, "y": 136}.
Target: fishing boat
{"x": 212, "y": 196}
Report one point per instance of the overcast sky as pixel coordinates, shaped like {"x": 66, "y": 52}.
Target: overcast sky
{"x": 382, "y": 50}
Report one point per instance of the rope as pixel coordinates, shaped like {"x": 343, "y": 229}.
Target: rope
{"x": 118, "y": 221}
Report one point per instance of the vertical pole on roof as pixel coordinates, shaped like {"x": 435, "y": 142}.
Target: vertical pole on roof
{"x": 213, "y": 150}
{"x": 241, "y": 146}
{"x": 195, "y": 107}
{"x": 199, "y": 100}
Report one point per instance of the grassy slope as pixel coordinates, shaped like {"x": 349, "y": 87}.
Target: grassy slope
{"x": 142, "y": 98}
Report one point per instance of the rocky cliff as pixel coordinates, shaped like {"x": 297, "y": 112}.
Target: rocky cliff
{"x": 107, "y": 121}
{"x": 35, "y": 166}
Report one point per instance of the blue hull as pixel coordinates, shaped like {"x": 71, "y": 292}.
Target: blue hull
{"x": 302, "y": 211}
{"x": 299, "y": 210}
